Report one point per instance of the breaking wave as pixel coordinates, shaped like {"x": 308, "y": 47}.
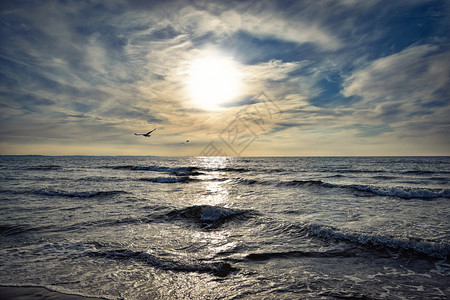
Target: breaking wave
{"x": 402, "y": 192}
{"x": 208, "y": 216}
{"x": 394, "y": 192}
{"x": 437, "y": 250}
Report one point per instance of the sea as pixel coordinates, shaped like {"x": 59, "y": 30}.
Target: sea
{"x": 227, "y": 227}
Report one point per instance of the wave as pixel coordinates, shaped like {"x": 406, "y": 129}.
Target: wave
{"x": 245, "y": 181}
{"x": 6, "y": 229}
{"x": 44, "y": 168}
{"x": 86, "y": 194}
{"x": 394, "y": 192}
{"x": 219, "y": 269}
{"x": 167, "y": 179}
{"x": 103, "y": 223}
{"x": 180, "y": 175}
{"x": 342, "y": 171}
{"x": 402, "y": 192}
{"x": 245, "y": 170}
{"x": 122, "y": 167}
{"x": 384, "y": 177}
{"x": 437, "y": 250}
{"x": 384, "y": 245}
{"x": 297, "y": 253}
{"x": 14, "y": 229}
{"x": 189, "y": 169}
{"x": 95, "y": 178}
{"x": 186, "y": 173}
{"x": 418, "y": 172}
{"x": 163, "y": 169}
{"x": 300, "y": 183}
{"x": 152, "y": 168}
{"x": 208, "y": 216}
{"x": 226, "y": 169}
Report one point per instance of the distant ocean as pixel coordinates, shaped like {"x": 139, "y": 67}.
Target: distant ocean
{"x": 227, "y": 228}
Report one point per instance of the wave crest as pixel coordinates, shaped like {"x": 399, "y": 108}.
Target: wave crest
{"x": 394, "y": 192}
{"x": 207, "y": 216}
{"x": 437, "y": 250}
{"x": 402, "y": 192}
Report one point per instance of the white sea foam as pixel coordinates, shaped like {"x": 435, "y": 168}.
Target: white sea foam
{"x": 403, "y": 192}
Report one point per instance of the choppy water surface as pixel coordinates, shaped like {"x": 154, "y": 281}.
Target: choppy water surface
{"x": 227, "y": 228}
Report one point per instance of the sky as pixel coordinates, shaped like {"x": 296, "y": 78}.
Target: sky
{"x": 235, "y": 78}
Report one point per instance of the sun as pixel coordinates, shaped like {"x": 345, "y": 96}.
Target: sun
{"x": 213, "y": 80}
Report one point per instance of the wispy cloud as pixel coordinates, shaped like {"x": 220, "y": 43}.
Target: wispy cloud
{"x": 347, "y": 72}
{"x": 410, "y": 87}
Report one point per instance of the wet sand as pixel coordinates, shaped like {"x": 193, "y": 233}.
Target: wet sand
{"x": 36, "y": 293}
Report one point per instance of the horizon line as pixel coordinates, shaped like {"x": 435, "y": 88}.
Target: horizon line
{"x": 270, "y": 156}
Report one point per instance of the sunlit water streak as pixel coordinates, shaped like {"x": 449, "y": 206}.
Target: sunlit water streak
{"x": 227, "y": 228}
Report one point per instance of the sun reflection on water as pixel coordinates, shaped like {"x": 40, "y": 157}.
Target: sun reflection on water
{"x": 213, "y": 162}
{"x": 214, "y": 180}
{"x": 216, "y": 193}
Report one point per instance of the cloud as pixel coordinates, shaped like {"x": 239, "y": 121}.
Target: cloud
{"x": 404, "y": 97}
{"x": 271, "y": 25}
{"x": 418, "y": 72}
{"x": 101, "y": 70}
{"x": 413, "y": 81}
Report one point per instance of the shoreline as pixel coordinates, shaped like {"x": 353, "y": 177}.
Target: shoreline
{"x": 37, "y": 293}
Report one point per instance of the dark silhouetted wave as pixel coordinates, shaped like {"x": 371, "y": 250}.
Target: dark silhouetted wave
{"x": 300, "y": 183}
{"x": 220, "y": 269}
{"x": 15, "y": 229}
{"x": 167, "y": 179}
{"x": 297, "y": 253}
{"x": 208, "y": 216}
{"x": 84, "y": 194}
{"x": 44, "y": 168}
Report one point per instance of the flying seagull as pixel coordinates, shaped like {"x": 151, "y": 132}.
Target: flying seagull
{"x": 145, "y": 134}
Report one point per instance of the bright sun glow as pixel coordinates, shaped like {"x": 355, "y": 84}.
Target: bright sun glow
{"x": 213, "y": 80}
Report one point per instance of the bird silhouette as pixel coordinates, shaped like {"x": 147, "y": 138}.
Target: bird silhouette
{"x": 148, "y": 134}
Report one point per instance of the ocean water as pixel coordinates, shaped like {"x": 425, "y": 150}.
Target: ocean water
{"x": 227, "y": 228}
